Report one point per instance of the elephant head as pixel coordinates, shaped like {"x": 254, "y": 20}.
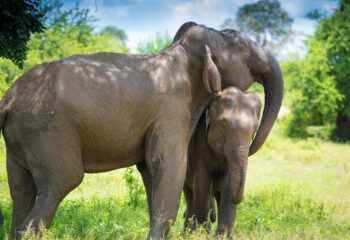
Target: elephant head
{"x": 229, "y": 58}
{"x": 233, "y": 119}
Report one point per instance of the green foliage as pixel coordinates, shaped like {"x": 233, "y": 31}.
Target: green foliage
{"x": 315, "y": 96}
{"x": 118, "y": 34}
{"x": 154, "y": 45}
{"x": 319, "y": 83}
{"x": 18, "y": 20}
{"x": 68, "y": 34}
{"x": 265, "y": 20}
{"x": 135, "y": 190}
{"x": 334, "y": 32}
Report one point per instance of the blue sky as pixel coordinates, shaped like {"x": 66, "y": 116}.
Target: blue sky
{"x": 142, "y": 19}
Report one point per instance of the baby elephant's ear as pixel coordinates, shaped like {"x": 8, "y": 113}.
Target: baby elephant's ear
{"x": 211, "y": 75}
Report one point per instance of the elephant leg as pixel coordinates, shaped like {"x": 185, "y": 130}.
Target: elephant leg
{"x": 166, "y": 160}
{"x": 57, "y": 168}
{"x": 202, "y": 197}
{"x": 189, "y": 206}
{"x": 147, "y": 182}
{"x": 227, "y": 212}
{"x": 23, "y": 192}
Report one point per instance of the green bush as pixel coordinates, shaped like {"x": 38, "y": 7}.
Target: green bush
{"x": 313, "y": 90}
{"x": 136, "y": 190}
{"x": 318, "y": 84}
{"x": 154, "y": 45}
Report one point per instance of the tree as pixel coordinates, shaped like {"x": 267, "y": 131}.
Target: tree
{"x": 264, "y": 20}
{"x": 18, "y": 20}
{"x": 154, "y": 45}
{"x": 113, "y": 31}
{"x": 314, "y": 93}
{"x": 321, "y": 81}
{"x": 334, "y": 31}
{"x": 68, "y": 34}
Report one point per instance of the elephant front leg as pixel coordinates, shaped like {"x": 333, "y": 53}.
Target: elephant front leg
{"x": 227, "y": 211}
{"x": 202, "y": 197}
{"x": 166, "y": 161}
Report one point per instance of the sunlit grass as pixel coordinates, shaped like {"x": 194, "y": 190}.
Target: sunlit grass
{"x": 295, "y": 189}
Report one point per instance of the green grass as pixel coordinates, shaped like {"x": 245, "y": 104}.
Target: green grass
{"x": 295, "y": 189}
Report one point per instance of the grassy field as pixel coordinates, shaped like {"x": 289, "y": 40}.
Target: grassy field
{"x": 296, "y": 189}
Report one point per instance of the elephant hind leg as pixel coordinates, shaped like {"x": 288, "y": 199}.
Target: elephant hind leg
{"x": 23, "y": 192}
{"x": 57, "y": 168}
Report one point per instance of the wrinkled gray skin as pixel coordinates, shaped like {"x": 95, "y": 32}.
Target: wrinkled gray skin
{"x": 218, "y": 157}
{"x": 99, "y": 112}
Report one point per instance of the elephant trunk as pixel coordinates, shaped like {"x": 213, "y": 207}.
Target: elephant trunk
{"x": 273, "y": 88}
{"x": 237, "y": 167}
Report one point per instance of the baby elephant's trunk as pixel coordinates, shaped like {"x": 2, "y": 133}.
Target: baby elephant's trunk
{"x": 237, "y": 166}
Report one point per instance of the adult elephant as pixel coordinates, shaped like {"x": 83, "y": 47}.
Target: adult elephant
{"x": 99, "y": 112}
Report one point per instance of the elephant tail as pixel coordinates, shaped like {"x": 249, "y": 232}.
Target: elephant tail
{"x": 3, "y": 114}
{"x": 2, "y": 118}
{"x": 4, "y": 107}
{"x": 2, "y": 122}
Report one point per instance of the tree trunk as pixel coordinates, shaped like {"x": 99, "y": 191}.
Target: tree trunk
{"x": 342, "y": 131}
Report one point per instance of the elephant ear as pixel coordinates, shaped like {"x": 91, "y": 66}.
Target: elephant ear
{"x": 211, "y": 75}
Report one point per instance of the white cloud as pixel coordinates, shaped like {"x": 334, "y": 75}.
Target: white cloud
{"x": 122, "y": 11}
{"x": 107, "y": 16}
{"x": 109, "y": 13}
{"x": 302, "y": 27}
{"x": 201, "y": 11}
{"x": 293, "y": 7}
{"x": 330, "y": 6}
{"x": 136, "y": 37}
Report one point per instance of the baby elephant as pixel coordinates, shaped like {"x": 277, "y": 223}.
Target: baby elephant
{"x": 218, "y": 156}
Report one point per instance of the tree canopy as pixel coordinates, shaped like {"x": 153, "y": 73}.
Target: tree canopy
{"x": 67, "y": 32}
{"x": 18, "y": 20}
{"x": 265, "y": 21}
{"x": 115, "y": 32}
{"x": 320, "y": 82}
{"x": 334, "y": 33}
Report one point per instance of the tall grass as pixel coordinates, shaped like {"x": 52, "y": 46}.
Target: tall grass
{"x": 296, "y": 189}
